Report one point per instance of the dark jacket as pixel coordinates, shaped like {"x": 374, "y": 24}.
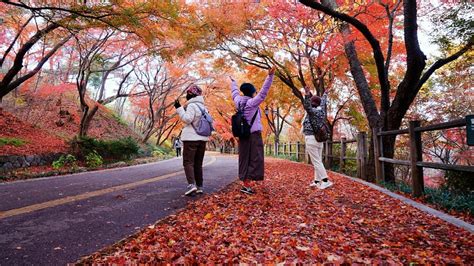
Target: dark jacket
{"x": 318, "y": 114}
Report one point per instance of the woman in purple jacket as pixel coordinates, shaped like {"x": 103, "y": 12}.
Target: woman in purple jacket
{"x": 251, "y": 155}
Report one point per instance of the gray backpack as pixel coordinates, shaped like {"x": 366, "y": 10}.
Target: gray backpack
{"x": 205, "y": 127}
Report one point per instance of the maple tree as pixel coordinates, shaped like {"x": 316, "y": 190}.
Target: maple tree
{"x": 161, "y": 83}
{"x": 153, "y": 21}
{"x": 392, "y": 110}
{"x": 23, "y": 39}
{"x": 299, "y": 42}
{"x": 96, "y": 50}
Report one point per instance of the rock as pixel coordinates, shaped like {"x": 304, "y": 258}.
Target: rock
{"x": 30, "y": 158}
{"x": 3, "y": 159}
{"x": 59, "y": 123}
{"x": 64, "y": 113}
{"x": 117, "y": 164}
{"x": 8, "y": 165}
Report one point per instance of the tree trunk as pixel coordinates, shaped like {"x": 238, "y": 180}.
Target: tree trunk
{"x": 370, "y": 167}
{"x": 87, "y": 116}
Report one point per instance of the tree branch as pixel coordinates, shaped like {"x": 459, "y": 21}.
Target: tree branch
{"x": 441, "y": 62}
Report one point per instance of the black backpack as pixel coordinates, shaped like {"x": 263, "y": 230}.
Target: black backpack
{"x": 240, "y": 126}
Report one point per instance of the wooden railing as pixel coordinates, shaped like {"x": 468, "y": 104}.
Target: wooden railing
{"x": 361, "y": 157}
{"x": 296, "y": 150}
{"x": 415, "y": 163}
{"x": 288, "y": 149}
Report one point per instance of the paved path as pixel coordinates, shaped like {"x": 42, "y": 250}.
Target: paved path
{"x": 53, "y": 221}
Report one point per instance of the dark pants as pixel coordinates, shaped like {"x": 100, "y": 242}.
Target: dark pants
{"x": 178, "y": 152}
{"x": 193, "y": 156}
{"x": 251, "y": 157}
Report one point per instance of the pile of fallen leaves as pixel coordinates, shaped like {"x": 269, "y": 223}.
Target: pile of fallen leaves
{"x": 289, "y": 222}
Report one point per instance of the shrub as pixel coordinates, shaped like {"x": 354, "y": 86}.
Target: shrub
{"x": 94, "y": 159}
{"x": 162, "y": 152}
{"x": 451, "y": 200}
{"x": 119, "y": 149}
{"x": 122, "y": 148}
{"x": 459, "y": 181}
{"x": 65, "y": 160}
{"x": 443, "y": 197}
{"x": 11, "y": 141}
{"x": 288, "y": 157}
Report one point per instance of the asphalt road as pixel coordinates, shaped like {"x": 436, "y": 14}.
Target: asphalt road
{"x": 54, "y": 221}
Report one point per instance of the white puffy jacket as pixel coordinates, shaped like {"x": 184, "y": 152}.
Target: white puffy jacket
{"x": 192, "y": 114}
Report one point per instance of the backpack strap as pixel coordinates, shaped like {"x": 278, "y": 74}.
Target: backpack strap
{"x": 254, "y": 116}
{"x": 202, "y": 113}
{"x": 201, "y": 109}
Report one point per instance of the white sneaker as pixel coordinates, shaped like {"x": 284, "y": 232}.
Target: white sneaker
{"x": 315, "y": 183}
{"x": 325, "y": 185}
{"x": 199, "y": 190}
{"x": 191, "y": 189}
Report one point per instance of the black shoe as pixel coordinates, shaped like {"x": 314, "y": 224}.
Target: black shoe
{"x": 247, "y": 190}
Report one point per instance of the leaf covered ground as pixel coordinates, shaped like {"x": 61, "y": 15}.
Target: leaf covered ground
{"x": 34, "y": 139}
{"x": 287, "y": 221}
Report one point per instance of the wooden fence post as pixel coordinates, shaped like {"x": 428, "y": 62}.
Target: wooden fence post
{"x": 298, "y": 151}
{"x": 358, "y": 161}
{"x": 326, "y": 154}
{"x": 362, "y": 155}
{"x": 323, "y": 154}
{"x": 378, "y": 152}
{"x": 343, "y": 155}
{"x": 416, "y": 155}
{"x": 329, "y": 154}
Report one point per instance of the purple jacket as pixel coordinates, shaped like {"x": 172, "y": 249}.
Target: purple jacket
{"x": 252, "y": 103}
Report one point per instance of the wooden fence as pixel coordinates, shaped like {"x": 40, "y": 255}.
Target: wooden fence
{"x": 361, "y": 157}
{"x": 296, "y": 151}
{"x": 415, "y": 163}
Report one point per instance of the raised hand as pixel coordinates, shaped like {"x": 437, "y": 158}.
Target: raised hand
{"x": 177, "y": 104}
{"x": 231, "y": 78}
{"x": 271, "y": 71}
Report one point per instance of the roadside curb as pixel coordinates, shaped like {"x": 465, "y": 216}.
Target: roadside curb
{"x": 60, "y": 175}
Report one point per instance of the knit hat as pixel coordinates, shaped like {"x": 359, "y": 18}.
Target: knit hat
{"x": 315, "y": 101}
{"x": 194, "y": 90}
{"x": 247, "y": 89}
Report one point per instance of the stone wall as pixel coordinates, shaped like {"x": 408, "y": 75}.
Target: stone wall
{"x": 11, "y": 162}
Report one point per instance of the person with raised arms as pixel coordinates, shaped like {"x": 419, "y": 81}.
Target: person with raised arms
{"x": 251, "y": 154}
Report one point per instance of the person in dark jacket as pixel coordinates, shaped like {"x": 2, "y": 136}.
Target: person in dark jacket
{"x": 317, "y": 107}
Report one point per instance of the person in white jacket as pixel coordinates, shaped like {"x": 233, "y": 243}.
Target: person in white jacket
{"x": 194, "y": 145}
